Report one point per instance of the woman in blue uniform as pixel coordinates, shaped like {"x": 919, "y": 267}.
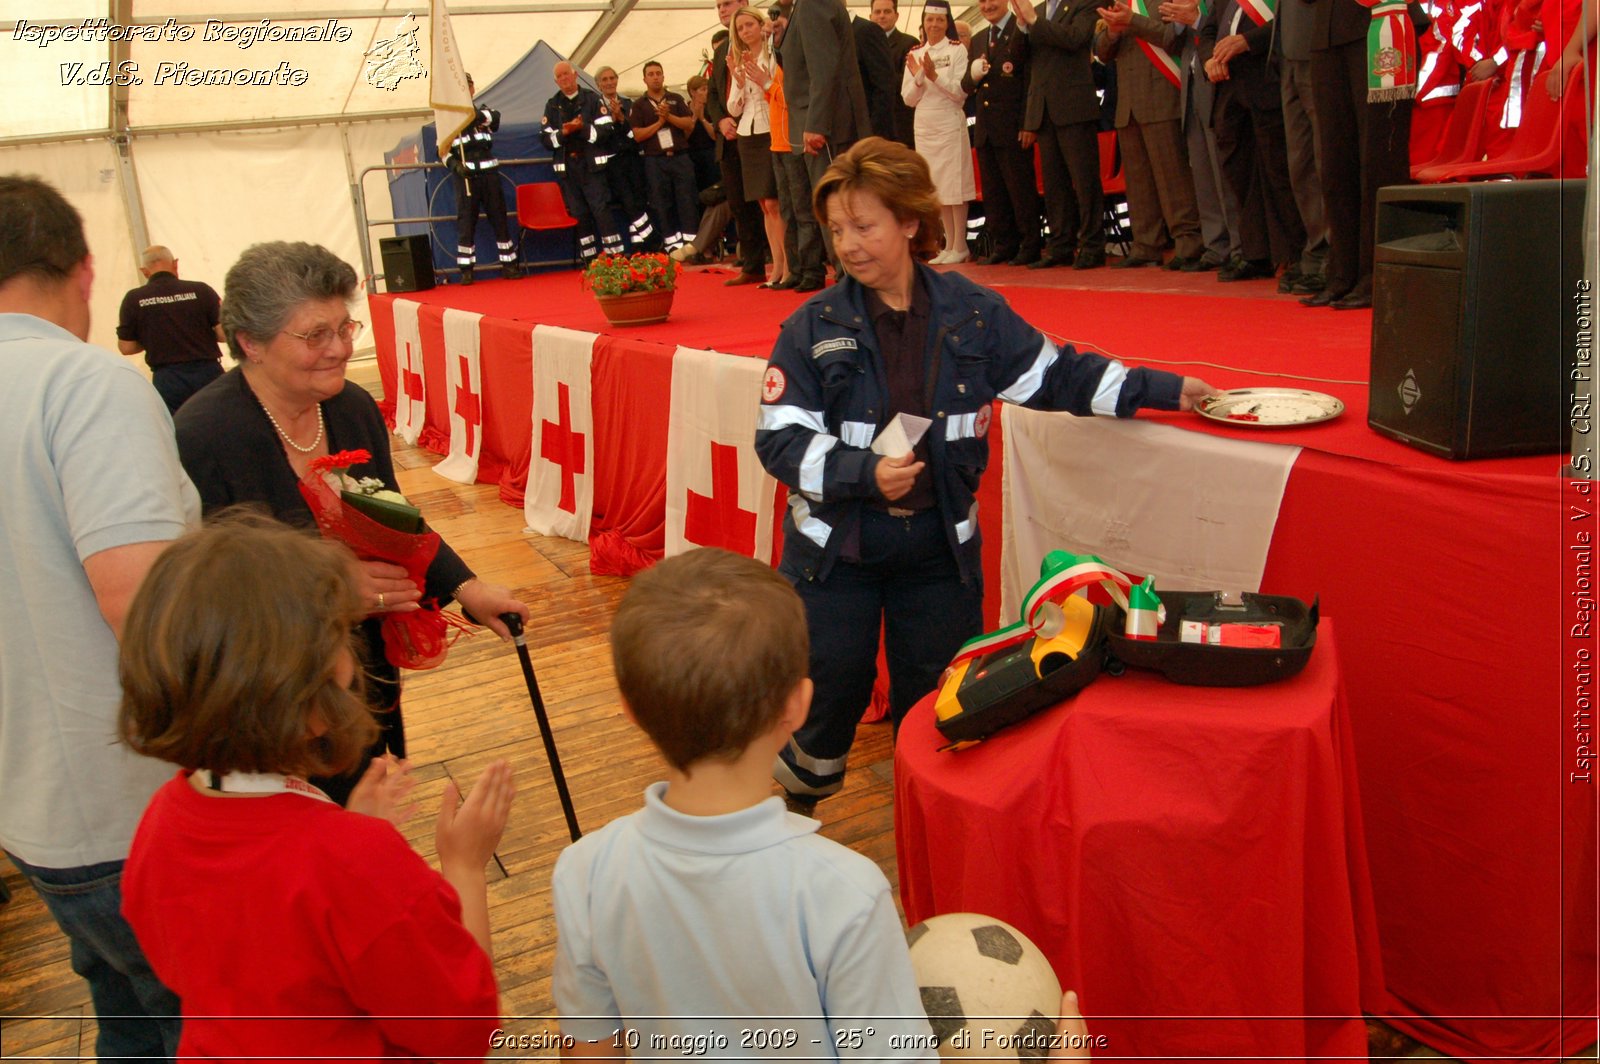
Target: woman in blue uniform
{"x": 891, "y": 542}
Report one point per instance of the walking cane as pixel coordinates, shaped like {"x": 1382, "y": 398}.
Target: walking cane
{"x": 514, "y": 623}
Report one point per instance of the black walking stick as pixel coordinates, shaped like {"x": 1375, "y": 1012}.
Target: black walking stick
{"x": 514, "y": 623}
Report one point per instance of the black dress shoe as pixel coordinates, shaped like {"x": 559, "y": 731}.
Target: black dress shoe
{"x": 809, "y": 284}
{"x": 1049, "y": 261}
{"x": 1024, "y": 258}
{"x": 1179, "y": 262}
{"x": 1310, "y": 283}
{"x": 1089, "y": 260}
{"x": 787, "y": 283}
{"x": 1288, "y": 279}
{"x": 999, "y": 258}
{"x": 1356, "y": 300}
{"x": 1134, "y": 262}
{"x": 466, "y": 275}
{"x": 1321, "y": 299}
{"x": 1247, "y": 270}
{"x": 510, "y": 272}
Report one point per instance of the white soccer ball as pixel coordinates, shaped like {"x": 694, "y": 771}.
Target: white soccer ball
{"x": 987, "y": 990}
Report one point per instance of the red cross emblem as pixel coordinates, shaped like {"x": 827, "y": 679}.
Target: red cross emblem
{"x": 559, "y": 444}
{"x": 411, "y": 380}
{"x": 468, "y": 405}
{"x": 715, "y": 520}
{"x": 772, "y": 385}
{"x": 980, "y": 424}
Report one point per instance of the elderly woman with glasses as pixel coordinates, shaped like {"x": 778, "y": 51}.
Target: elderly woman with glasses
{"x": 249, "y": 436}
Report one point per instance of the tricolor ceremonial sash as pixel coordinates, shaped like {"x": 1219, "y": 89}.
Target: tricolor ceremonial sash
{"x": 1260, "y": 12}
{"x": 1159, "y": 57}
{"x": 1391, "y": 52}
{"x": 1061, "y": 574}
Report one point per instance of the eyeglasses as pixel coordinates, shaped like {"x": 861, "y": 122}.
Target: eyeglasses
{"x": 322, "y": 336}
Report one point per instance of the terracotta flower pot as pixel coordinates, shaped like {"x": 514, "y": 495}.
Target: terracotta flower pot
{"x": 637, "y": 308}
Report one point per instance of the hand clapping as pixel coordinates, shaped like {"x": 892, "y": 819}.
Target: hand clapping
{"x": 1184, "y": 11}
{"x": 1117, "y": 17}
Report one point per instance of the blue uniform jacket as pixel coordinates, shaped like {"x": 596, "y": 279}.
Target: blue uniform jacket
{"x": 825, "y": 396}
{"x": 589, "y": 148}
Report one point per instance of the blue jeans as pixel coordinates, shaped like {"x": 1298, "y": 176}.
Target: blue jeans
{"x": 177, "y": 382}
{"x": 136, "y": 1014}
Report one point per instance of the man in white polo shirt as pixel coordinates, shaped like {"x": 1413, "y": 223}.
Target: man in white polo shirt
{"x": 93, "y": 493}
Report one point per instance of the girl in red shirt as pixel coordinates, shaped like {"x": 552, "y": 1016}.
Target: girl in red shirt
{"x": 290, "y": 927}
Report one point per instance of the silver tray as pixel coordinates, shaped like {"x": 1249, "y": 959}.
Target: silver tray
{"x": 1269, "y": 408}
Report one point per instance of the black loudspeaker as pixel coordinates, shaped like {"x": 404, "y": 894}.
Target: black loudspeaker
{"x": 1475, "y": 291}
{"x": 407, "y": 263}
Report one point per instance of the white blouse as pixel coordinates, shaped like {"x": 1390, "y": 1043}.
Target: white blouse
{"x": 748, "y": 101}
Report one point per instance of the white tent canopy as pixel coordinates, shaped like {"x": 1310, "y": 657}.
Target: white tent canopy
{"x": 153, "y": 118}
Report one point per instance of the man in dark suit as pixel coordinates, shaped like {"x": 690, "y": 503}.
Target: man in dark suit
{"x": 1363, "y": 146}
{"x": 997, "y": 82}
{"x": 1295, "y": 24}
{"x": 1149, "y": 112}
{"x": 1063, "y": 112}
{"x": 1236, "y": 44}
{"x": 1219, "y": 214}
{"x": 886, "y": 16}
{"x": 746, "y": 213}
{"x": 822, "y": 85}
{"x": 880, "y": 78}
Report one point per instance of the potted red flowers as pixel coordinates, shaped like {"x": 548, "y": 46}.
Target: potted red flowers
{"x": 632, "y": 289}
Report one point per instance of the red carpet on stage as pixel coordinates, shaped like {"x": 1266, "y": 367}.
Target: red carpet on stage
{"x": 1448, "y": 581}
{"x": 1188, "y": 323}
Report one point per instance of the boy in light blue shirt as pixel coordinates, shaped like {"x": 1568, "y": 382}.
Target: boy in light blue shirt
{"x": 713, "y": 922}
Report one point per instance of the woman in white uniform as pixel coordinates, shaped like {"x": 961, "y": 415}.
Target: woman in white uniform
{"x": 932, "y": 84}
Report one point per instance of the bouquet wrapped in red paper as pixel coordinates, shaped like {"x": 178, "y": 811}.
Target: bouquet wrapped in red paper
{"x": 375, "y": 522}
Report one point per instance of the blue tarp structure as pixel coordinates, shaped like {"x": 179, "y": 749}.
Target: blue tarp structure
{"x": 519, "y": 95}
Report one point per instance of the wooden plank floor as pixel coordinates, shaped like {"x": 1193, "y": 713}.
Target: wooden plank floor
{"x": 471, "y": 710}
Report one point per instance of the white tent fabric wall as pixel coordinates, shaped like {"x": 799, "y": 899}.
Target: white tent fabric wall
{"x": 86, "y": 173}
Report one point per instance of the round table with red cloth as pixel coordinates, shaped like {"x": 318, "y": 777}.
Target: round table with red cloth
{"x": 1189, "y": 858}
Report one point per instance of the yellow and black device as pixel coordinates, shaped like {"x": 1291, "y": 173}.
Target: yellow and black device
{"x": 980, "y": 695}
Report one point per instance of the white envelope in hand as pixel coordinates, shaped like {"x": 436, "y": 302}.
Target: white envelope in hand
{"x": 900, "y": 435}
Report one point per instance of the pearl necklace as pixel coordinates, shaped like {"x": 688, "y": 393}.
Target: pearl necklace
{"x": 303, "y": 450}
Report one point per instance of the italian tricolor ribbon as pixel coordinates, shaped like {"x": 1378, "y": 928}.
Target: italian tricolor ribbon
{"x": 1159, "y": 57}
{"x": 1391, "y": 52}
{"x": 1060, "y": 574}
{"x": 1260, "y": 12}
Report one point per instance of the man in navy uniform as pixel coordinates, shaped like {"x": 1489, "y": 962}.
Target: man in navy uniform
{"x": 579, "y": 128}
{"x": 997, "y": 79}
{"x": 625, "y": 172}
{"x": 477, "y": 177}
{"x": 661, "y": 123}
{"x": 176, "y": 324}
